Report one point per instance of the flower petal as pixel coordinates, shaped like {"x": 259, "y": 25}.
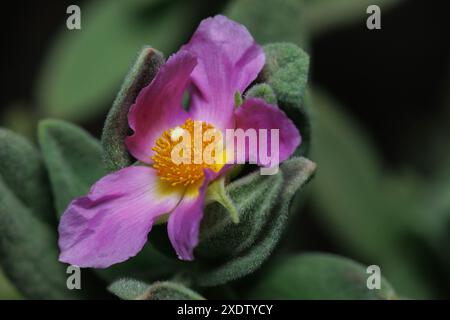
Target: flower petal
{"x": 184, "y": 222}
{"x": 229, "y": 59}
{"x": 158, "y": 106}
{"x": 257, "y": 114}
{"x": 112, "y": 222}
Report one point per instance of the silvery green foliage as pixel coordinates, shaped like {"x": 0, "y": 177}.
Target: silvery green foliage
{"x": 72, "y": 158}
{"x": 130, "y": 289}
{"x": 22, "y": 170}
{"x": 28, "y": 250}
{"x": 286, "y": 72}
{"x": 263, "y": 91}
{"x": 116, "y": 125}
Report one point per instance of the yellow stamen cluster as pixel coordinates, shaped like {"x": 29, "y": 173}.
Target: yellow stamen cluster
{"x": 183, "y": 173}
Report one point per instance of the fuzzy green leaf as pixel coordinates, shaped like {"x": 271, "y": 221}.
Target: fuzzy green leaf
{"x": 254, "y": 197}
{"x": 22, "y": 170}
{"x": 263, "y": 91}
{"x": 270, "y": 20}
{"x": 73, "y": 159}
{"x": 265, "y": 230}
{"x": 116, "y": 127}
{"x": 28, "y": 251}
{"x": 7, "y": 289}
{"x": 129, "y": 289}
{"x": 28, "y": 244}
{"x": 318, "y": 276}
{"x": 286, "y": 71}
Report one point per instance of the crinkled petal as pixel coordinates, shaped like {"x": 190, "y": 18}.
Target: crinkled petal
{"x": 257, "y": 114}
{"x": 158, "y": 106}
{"x": 229, "y": 59}
{"x": 112, "y": 222}
{"x": 184, "y": 222}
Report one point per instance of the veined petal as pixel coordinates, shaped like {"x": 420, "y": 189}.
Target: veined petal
{"x": 257, "y": 114}
{"x": 229, "y": 59}
{"x": 112, "y": 222}
{"x": 184, "y": 222}
{"x": 158, "y": 106}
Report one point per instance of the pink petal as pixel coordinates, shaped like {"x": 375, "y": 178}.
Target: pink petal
{"x": 257, "y": 114}
{"x": 112, "y": 222}
{"x": 229, "y": 59}
{"x": 158, "y": 106}
{"x": 184, "y": 222}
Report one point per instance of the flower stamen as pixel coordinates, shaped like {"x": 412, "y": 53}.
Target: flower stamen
{"x": 189, "y": 171}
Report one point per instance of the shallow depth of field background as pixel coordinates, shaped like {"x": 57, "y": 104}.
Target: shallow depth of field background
{"x": 380, "y": 103}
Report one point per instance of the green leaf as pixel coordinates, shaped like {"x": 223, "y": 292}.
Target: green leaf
{"x": 365, "y": 210}
{"x": 263, "y": 91}
{"x": 254, "y": 197}
{"x": 237, "y": 99}
{"x": 73, "y": 160}
{"x": 116, "y": 127}
{"x": 318, "y": 276}
{"x": 286, "y": 71}
{"x": 85, "y": 67}
{"x": 270, "y": 20}
{"x": 28, "y": 251}
{"x": 169, "y": 291}
{"x": 7, "y": 289}
{"x": 23, "y": 172}
{"x": 216, "y": 192}
{"x": 264, "y": 209}
{"x": 129, "y": 289}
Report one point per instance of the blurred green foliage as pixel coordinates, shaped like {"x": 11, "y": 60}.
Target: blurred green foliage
{"x": 28, "y": 250}
{"x": 72, "y": 158}
{"x": 372, "y": 214}
{"x": 267, "y": 19}
{"x": 308, "y": 276}
{"x": 7, "y": 289}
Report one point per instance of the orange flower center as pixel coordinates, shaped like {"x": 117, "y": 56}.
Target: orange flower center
{"x": 183, "y": 152}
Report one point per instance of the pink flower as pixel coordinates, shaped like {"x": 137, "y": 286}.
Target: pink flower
{"x": 112, "y": 222}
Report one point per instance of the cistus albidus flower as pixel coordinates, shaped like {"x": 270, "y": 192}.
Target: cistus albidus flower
{"x": 111, "y": 223}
